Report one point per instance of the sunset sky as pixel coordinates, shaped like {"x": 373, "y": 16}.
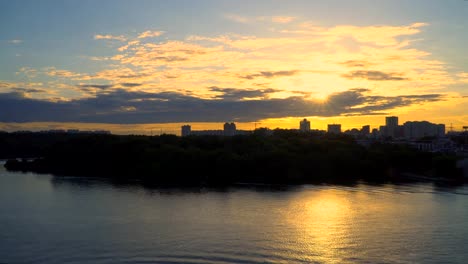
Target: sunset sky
{"x": 136, "y": 66}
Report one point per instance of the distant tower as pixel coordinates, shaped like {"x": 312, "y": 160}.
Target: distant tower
{"x": 229, "y": 129}
{"x": 391, "y": 123}
{"x": 304, "y": 125}
{"x": 365, "y": 130}
{"x": 334, "y": 128}
{"x": 186, "y": 130}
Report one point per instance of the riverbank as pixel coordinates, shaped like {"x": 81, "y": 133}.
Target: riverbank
{"x": 282, "y": 158}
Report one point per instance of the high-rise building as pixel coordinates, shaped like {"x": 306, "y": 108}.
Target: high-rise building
{"x": 229, "y": 129}
{"x": 186, "y": 130}
{"x": 420, "y": 129}
{"x": 334, "y": 128}
{"x": 365, "y": 130}
{"x": 304, "y": 125}
{"x": 391, "y": 123}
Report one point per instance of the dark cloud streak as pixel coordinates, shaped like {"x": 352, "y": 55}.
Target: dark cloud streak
{"x": 97, "y": 86}
{"x": 270, "y": 74}
{"x": 356, "y": 63}
{"x": 130, "y": 84}
{"x": 28, "y": 90}
{"x": 167, "y": 107}
{"x": 374, "y": 76}
{"x": 233, "y": 94}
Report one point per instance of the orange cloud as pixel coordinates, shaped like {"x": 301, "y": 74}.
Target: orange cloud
{"x": 150, "y": 34}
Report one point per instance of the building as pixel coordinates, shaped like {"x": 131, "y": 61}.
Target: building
{"x": 383, "y": 131}
{"x": 186, "y": 130}
{"x": 353, "y": 132}
{"x": 420, "y": 129}
{"x": 207, "y": 132}
{"x": 334, "y": 128}
{"x": 365, "y": 130}
{"x": 391, "y": 123}
{"x": 229, "y": 129}
{"x": 304, "y": 125}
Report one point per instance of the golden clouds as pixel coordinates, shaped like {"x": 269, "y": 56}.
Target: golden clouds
{"x": 150, "y": 34}
{"x": 52, "y": 71}
{"x": 295, "y": 59}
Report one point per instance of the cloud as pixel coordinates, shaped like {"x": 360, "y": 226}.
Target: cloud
{"x": 150, "y": 34}
{"x": 110, "y": 37}
{"x": 374, "y": 76}
{"x": 25, "y": 87}
{"x": 318, "y": 64}
{"x": 237, "y": 18}
{"x": 463, "y": 77}
{"x": 116, "y": 75}
{"x": 356, "y": 63}
{"x": 282, "y": 19}
{"x": 378, "y": 35}
{"x": 177, "y": 53}
{"x": 131, "y": 84}
{"x": 233, "y": 94}
{"x": 381, "y": 35}
{"x": 129, "y": 107}
{"x": 277, "y": 19}
{"x": 270, "y": 74}
{"x": 97, "y": 86}
{"x": 97, "y": 58}
{"x": 28, "y": 90}
{"x": 29, "y": 72}
{"x": 7, "y": 84}
{"x": 15, "y": 41}
{"x": 52, "y": 71}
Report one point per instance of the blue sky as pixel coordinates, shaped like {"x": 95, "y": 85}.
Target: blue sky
{"x": 38, "y": 36}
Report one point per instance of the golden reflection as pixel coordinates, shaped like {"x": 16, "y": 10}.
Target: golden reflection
{"x": 323, "y": 221}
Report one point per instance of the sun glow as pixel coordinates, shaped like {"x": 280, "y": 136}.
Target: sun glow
{"x": 287, "y": 69}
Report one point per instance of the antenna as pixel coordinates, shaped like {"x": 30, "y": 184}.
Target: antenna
{"x": 255, "y": 124}
{"x": 451, "y": 127}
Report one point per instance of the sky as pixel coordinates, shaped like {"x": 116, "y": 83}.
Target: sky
{"x": 144, "y": 66}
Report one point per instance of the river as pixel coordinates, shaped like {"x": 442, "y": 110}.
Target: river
{"x": 45, "y": 219}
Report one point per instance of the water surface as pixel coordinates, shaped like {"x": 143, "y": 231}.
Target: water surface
{"x": 46, "y": 219}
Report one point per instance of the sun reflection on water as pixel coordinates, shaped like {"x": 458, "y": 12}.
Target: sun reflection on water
{"x": 323, "y": 222}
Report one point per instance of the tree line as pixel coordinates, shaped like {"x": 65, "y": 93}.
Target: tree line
{"x": 284, "y": 157}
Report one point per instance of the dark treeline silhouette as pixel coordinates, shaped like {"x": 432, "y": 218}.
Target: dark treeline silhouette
{"x": 286, "y": 156}
{"x": 29, "y": 144}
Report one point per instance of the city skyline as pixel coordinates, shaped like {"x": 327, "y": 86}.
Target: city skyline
{"x": 392, "y": 129}
{"x": 135, "y": 68}
{"x": 175, "y": 128}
